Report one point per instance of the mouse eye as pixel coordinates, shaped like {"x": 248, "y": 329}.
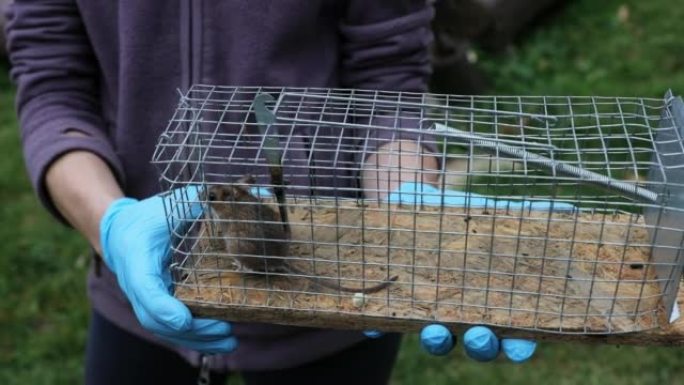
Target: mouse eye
{"x": 212, "y": 196}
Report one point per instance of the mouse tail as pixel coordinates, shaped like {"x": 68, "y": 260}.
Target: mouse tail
{"x": 320, "y": 281}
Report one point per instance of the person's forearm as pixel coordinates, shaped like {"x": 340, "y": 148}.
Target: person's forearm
{"x": 82, "y": 186}
{"x": 394, "y": 163}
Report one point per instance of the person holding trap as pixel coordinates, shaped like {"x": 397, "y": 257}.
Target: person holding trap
{"x": 96, "y": 86}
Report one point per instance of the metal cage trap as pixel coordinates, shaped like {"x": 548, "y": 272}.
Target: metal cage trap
{"x": 545, "y": 214}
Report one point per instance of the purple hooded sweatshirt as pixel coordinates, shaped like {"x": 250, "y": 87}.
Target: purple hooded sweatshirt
{"x": 111, "y": 70}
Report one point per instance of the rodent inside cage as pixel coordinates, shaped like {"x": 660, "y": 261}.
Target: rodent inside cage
{"x": 554, "y": 214}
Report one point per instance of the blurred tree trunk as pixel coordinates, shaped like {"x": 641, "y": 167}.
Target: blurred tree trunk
{"x": 3, "y": 46}
{"x": 509, "y": 18}
{"x": 491, "y": 24}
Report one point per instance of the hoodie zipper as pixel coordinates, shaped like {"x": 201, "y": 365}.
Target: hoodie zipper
{"x": 191, "y": 42}
{"x": 186, "y": 43}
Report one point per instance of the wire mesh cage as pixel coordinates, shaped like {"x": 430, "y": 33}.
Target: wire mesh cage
{"x": 357, "y": 208}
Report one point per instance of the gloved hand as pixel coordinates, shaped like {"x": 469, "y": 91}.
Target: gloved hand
{"x": 135, "y": 243}
{"x": 480, "y": 342}
{"x": 419, "y": 193}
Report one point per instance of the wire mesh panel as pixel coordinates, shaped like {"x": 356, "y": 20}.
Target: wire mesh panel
{"x": 351, "y": 208}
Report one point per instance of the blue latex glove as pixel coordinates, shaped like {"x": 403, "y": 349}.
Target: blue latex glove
{"x": 480, "y": 342}
{"x": 418, "y": 193}
{"x": 135, "y": 242}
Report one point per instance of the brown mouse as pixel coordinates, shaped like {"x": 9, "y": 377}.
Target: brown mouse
{"x": 257, "y": 238}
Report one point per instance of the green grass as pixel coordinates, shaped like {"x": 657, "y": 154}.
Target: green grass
{"x": 588, "y": 50}
{"x": 43, "y": 311}
{"x": 584, "y": 50}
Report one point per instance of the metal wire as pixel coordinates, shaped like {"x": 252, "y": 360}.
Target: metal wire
{"x": 553, "y": 214}
{"x": 556, "y": 166}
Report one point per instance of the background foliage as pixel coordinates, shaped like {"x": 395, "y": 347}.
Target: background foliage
{"x": 620, "y": 48}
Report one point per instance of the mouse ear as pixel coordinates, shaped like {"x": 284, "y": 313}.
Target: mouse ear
{"x": 238, "y": 190}
{"x": 247, "y": 179}
{"x": 242, "y": 185}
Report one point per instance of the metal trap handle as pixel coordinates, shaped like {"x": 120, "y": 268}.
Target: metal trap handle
{"x": 557, "y": 167}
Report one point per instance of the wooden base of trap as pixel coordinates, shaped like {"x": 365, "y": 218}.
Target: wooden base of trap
{"x": 477, "y": 249}
{"x": 671, "y": 335}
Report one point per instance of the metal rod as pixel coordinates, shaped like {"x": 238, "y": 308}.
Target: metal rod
{"x": 586, "y": 176}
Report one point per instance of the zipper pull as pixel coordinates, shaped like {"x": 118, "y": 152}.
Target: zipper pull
{"x": 203, "y": 378}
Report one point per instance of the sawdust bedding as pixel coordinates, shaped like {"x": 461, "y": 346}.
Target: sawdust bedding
{"x": 560, "y": 271}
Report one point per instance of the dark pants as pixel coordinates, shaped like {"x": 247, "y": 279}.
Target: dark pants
{"x": 115, "y": 356}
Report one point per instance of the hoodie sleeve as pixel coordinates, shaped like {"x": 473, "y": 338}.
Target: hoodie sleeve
{"x": 386, "y": 46}
{"x": 56, "y": 75}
